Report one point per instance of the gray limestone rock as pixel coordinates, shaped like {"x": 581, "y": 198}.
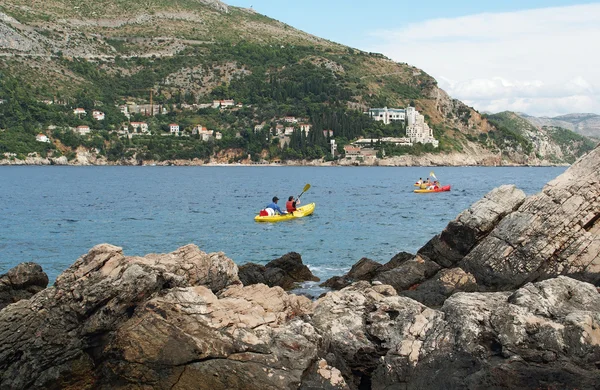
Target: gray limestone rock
{"x": 434, "y": 291}
{"x": 555, "y": 232}
{"x": 21, "y": 282}
{"x": 472, "y": 225}
{"x": 544, "y": 335}
{"x": 57, "y": 336}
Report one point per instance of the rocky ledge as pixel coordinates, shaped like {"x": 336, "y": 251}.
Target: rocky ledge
{"x": 505, "y": 297}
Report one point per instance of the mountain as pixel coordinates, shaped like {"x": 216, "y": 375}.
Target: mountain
{"x": 174, "y": 57}
{"x": 551, "y": 143}
{"x": 584, "y": 124}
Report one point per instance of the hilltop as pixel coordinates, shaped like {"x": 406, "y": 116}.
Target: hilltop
{"x": 585, "y": 124}
{"x": 175, "y": 57}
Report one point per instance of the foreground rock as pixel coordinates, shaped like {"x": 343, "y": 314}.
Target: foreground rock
{"x": 285, "y": 272}
{"x": 184, "y": 320}
{"x": 555, "y": 232}
{"x": 21, "y": 282}
{"x": 157, "y": 321}
{"x": 544, "y": 335}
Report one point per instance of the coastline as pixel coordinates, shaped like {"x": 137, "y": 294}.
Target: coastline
{"x": 425, "y": 160}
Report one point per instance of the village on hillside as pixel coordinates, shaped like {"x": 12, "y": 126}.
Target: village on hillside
{"x": 282, "y": 129}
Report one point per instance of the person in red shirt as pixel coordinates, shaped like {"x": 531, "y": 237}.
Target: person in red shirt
{"x": 291, "y": 204}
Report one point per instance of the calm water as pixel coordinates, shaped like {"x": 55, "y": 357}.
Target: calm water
{"x": 52, "y": 215}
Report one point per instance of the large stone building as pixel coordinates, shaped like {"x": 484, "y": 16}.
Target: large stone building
{"x": 387, "y": 115}
{"x": 416, "y": 128}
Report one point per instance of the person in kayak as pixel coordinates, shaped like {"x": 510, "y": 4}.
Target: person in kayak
{"x": 291, "y": 204}
{"x": 420, "y": 181}
{"x": 273, "y": 205}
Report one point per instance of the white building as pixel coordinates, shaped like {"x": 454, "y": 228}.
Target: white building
{"x": 203, "y": 132}
{"x": 98, "y": 115}
{"x": 305, "y": 127}
{"x": 218, "y": 135}
{"x": 42, "y": 138}
{"x": 141, "y": 126}
{"x": 387, "y": 115}
{"x": 174, "y": 129}
{"x": 223, "y": 103}
{"x": 124, "y": 110}
{"x": 290, "y": 119}
{"x": 417, "y": 129}
{"x": 79, "y": 111}
{"x": 83, "y": 129}
{"x": 288, "y": 130}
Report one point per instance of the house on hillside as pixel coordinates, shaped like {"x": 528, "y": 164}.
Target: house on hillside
{"x": 288, "y": 130}
{"x": 203, "y": 132}
{"x": 328, "y": 133}
{"x": 141, "y": 127}
{"x": 79, "y": 111}
{"x": 42, "y": 138}
{"x": 98, "y": 115}
{"x": 174, "y": 129}
{"x": 290, "y": 119}
{"x": 305, "y": 127}
{"x": 351, "y": 150}
{"x": 124, "y": 110}
{"x": 223, "y": 103}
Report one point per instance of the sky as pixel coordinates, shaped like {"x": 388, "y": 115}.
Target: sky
{"x": 537, "y": 57}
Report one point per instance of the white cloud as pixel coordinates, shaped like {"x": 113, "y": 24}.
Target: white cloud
{"x": 542, "y": 61}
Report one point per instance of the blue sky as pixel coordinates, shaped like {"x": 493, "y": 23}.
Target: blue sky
{"x": 533, "y": 56}
{"x": 348, "y": 22}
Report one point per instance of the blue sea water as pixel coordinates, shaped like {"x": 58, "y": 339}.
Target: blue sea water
{"x": 53, "y": 215}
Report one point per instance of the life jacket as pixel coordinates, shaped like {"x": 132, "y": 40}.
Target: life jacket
{"x": 290, "y": 206}
{"x": 263, "y": 213}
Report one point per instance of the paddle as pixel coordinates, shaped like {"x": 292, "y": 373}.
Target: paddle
{"x": 306, "y": 188}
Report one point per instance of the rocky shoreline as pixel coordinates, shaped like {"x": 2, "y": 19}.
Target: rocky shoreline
{"x": 506, "y": 296}
{"x": 433, "y": 160}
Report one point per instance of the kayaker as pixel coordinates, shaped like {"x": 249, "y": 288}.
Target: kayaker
{"x": 419, "y": 182}
{"x": 273, "y": 205}
{"x": 291, "y": 204}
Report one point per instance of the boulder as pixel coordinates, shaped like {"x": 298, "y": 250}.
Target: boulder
{"x": 434, "y": 291}
{"x": 21, "y": 282}
{"x": 472, "y": 225}
{"x": 409, "y": 274}
{"x": 57, "y": 337}
{"x": 286, "y": 272}
{"x": 555, "y": 232}
{"x": 544, "y": 335}
{"x": 367, "y": 269}
{"x": 249, "y": 337}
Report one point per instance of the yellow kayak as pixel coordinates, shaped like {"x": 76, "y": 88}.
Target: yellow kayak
{"x": 302, "y": 211}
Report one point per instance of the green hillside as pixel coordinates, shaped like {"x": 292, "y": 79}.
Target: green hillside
{"x": 552, "y": 143}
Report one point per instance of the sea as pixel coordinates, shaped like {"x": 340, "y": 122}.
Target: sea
{"x": 52, "y": 215}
